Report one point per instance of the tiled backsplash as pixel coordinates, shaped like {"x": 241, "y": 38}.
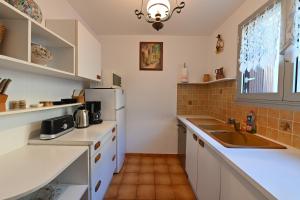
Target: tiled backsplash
{"x": 217, "y": 100}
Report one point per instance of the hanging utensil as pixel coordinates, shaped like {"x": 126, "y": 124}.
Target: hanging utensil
{"x": 6, "y": 86}
{"x": 2, "y": 84}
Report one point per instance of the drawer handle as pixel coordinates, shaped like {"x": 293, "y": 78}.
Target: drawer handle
{"x": 98, "y": 77}
{"x": 114, "y": 138}
{"x": 113, "y": 158}
{"x": 195, "y": 137}
{"x": 97, "y": 186}
{"x": 97, "y": 145}
{"x": 201, "y": 143}
{"x": 114, "y": 129}
{"x": 98, "y": 157}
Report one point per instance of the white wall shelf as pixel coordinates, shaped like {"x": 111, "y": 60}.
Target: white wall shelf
{"x": 210, "y": 82}
{"x": 28, "y": 110}
{"x": 15, "y": 51}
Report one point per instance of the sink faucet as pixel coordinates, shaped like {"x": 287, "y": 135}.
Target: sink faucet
{"x": 235, "y": 123}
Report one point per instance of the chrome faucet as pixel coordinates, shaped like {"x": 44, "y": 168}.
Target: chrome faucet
{"x": 235, "y": 123}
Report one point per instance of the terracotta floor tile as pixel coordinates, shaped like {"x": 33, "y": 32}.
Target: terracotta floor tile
{"x": 179, "y": 179}
{"x": 146, "y": 192}
{"x": 177, "y": 169}
{"x": 164, "y": 192}
{"x": 159, "y": 160}
{"x": 162, "y": 179}
{"x": 183, "y": 192}
{"x": 130, "y": 178}
{"x": 132, "y": 168}
{"x": 117, "y": 178}
{"x": 172, "y": 161}
{"x": 127, "y": 192}
{"x": 160, "y": 168}
{"x": 146, "y": 179}
{"x": 133, "y": 160}
{"x": 147, "y": 168}
{"x": 147, "y": 160}
{"x": 112, "y": 192}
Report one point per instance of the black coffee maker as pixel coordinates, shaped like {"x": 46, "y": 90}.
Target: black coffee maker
{"x": 94, "y": 108}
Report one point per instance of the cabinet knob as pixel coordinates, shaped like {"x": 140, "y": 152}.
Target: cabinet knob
{"x": 195, "y": 137}
{"x": 201, "y": 143}
{"x": 114, "y": 138}
{"x": 113, "y": 158}
{"x": 98, "y": 186}
{"x": 114, "y": 129}
{"x": 98, "y": 77}
{"x": 98, "y": 157}
{"x": 97, "y": 145}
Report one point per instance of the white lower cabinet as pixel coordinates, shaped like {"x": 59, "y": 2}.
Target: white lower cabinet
{"x": 209, "y": 169}
{"x": 213, "y": 179}
{"x": 103, "y": 165}
{"x": 235, "y": 187}
{"x": 191, "y": 158}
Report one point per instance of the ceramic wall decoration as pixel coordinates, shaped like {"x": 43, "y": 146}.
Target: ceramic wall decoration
{"x": 29, "y": 7}
{"x": 220, "y": 44}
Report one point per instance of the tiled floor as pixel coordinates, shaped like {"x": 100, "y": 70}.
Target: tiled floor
{"x": 150, "y": 177}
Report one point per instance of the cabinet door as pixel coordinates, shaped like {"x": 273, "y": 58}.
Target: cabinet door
{"x": 191, "y": 158}
{"x": 209, "y": 174}
{"x": 234, "y": 187}
{"x": 88, "y": 54}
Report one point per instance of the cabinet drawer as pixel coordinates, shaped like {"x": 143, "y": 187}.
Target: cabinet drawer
{"x": 98, "y": 144}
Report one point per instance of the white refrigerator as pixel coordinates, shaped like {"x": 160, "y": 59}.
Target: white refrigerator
{"x": 112, "y": 109}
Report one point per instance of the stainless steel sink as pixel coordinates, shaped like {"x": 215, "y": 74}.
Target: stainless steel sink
{"x": 244, "y": 140}
{"x": 229, "y": 138}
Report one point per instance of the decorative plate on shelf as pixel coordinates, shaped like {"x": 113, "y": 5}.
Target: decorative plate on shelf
{"x": 29, "y": 7}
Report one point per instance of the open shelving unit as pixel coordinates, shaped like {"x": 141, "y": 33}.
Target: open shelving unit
{"x": 209, "y": 82}
{"x": 28, "y": 110}
{"x": 15, "y": 51}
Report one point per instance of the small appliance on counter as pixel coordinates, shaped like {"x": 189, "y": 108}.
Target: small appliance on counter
{"x": 81, "y": 117}
{"x": 55, "y": 127}
{"x": 94, "y": 108}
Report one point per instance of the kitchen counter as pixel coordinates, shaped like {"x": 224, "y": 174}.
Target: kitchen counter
{"x": 78, "y": 137}
{"x": 275, "y": 173}
{"x": 30, "y": 168}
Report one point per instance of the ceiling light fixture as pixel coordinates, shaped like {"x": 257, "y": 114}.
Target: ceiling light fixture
{"x": 158, "y": 11}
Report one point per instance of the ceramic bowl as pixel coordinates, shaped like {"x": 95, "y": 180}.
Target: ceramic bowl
{"x": 40, "y": 55}
{"x": 29, "y": 7}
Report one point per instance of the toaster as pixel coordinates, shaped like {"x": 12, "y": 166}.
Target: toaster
{"x": 55, "y": 127}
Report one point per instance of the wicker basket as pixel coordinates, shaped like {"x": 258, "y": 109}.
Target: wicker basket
{"x": 2, "y": 33}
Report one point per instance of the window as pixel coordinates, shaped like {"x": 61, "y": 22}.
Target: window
{"x": 267, "y": 39}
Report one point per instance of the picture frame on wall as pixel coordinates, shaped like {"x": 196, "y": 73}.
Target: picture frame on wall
{"x": 151, "y": 56}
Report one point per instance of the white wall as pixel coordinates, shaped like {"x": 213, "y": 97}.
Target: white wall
{"x": 151, "y": 96}
{"x": 15, "y": 129}
{"x": 229, "y": 32}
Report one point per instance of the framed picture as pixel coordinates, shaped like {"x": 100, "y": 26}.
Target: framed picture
{"x": 151, "y": 56}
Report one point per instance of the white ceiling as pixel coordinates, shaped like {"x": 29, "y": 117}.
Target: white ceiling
{"x": 116, "y": 17}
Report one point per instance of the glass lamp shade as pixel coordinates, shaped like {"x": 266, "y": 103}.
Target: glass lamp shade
{"x": 161, "y": 7}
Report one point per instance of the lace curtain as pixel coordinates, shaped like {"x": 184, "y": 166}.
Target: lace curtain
{"x": 259, "y": 40}
{"x": 291, "y": 47}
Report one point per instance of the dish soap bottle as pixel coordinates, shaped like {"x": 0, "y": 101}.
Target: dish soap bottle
{"x": 184, "y": 74}
{"x": 250, "y": 123}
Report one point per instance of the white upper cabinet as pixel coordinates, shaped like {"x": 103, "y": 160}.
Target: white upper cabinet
{"x": 88, "y": 48}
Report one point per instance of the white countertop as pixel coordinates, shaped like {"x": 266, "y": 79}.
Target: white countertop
{"x": 30, "y": 168}
{"x": 85, "y": 137}
{"x": 276, "y": 173}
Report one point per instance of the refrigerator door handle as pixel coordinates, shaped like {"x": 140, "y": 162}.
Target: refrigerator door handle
{"x": 120, "y": 108}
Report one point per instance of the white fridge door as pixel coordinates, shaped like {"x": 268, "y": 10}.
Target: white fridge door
{"x": 120, "y": 98}
{"x": 121, "y": 138}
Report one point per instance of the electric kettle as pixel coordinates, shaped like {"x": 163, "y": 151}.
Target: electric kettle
{"x": 81, "y": 117}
